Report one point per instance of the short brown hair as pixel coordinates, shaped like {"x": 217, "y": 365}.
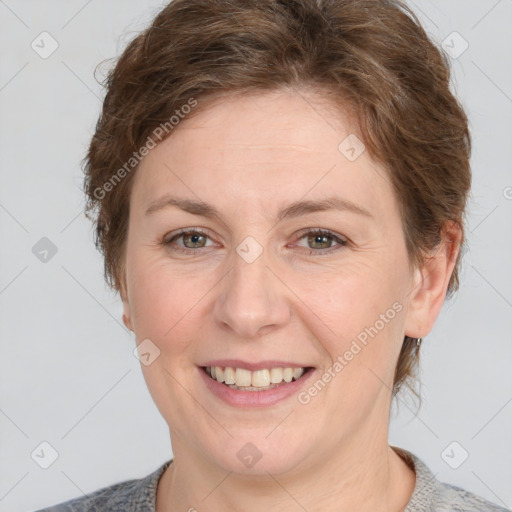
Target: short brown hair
{"x": 370, "y": 54}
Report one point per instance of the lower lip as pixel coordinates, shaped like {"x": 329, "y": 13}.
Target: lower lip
{"x": 265, "y": 398}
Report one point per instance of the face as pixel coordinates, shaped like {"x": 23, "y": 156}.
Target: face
{"x": 266, "y": 284}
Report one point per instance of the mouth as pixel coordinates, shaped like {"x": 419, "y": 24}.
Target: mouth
{"x": 242, "y": 379}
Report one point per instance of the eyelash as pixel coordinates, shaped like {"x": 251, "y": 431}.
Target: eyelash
{"x": 312, "y": 252}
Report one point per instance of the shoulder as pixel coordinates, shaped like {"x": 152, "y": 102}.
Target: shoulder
{"x": 450, "y": 497}
{"x": 431, "y": 495}
{"x": 128, "y": 496}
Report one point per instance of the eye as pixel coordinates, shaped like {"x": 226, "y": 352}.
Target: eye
{"x": 192, "y": 239}
{"x": 321, "y": 241}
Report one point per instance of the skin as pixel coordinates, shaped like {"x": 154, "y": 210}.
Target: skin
{"x": 250, "y": 157}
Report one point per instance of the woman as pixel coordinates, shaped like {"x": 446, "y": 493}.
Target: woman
{"x": 279, "y": 190}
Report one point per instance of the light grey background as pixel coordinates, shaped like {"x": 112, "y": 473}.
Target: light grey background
{"x": 67, "y": 372}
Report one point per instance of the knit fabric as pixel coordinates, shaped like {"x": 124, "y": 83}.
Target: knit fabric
{"x": 139, "y": 495}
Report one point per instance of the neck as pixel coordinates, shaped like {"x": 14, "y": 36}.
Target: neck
{"x": 364, "y": 477}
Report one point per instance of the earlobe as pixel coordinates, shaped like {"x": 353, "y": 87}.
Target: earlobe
{"x": 430, "y": 283}
{"x": 127, "y": 321}
{"x": 127, "y": 317}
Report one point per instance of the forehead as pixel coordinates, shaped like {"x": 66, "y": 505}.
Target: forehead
{"x": 272, "y": 121}
{"x": 278, "y": 146}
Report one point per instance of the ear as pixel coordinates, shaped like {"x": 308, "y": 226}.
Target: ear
{"x": 127, "y": 319}
{"x": 127, "y": 316}
{"x": 431, "y": 283}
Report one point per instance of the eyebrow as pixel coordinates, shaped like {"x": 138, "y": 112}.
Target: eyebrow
{"x": 296, "y": 209}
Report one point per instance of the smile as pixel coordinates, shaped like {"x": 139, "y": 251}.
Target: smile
{"x": 242, "y": 379}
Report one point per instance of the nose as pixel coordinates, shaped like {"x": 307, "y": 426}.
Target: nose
{"x": 252, "y": 300}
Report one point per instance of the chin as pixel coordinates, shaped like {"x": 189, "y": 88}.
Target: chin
{"x": 256, "y": 453}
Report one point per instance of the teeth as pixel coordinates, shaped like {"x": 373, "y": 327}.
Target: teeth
{"x": 260, "y": 378}
{"x": 276, "y": 375}
{"x": 229, "y": 375}
{"x": 297, "y": 373}
{"x": 242, "y": 377}
{"x": 219, "y": 374}
{"x": 266, "y": 378}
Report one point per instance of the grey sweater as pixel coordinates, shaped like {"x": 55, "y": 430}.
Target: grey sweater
{"x": 139, "y": 495}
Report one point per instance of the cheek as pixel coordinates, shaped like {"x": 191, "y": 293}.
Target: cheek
{"x": 167, "y": 304}
{"x": 359, "y": 313}
{"x": 353, "y": 296}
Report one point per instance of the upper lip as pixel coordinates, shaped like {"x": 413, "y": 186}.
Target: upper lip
{"x": 253, "y": 366}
